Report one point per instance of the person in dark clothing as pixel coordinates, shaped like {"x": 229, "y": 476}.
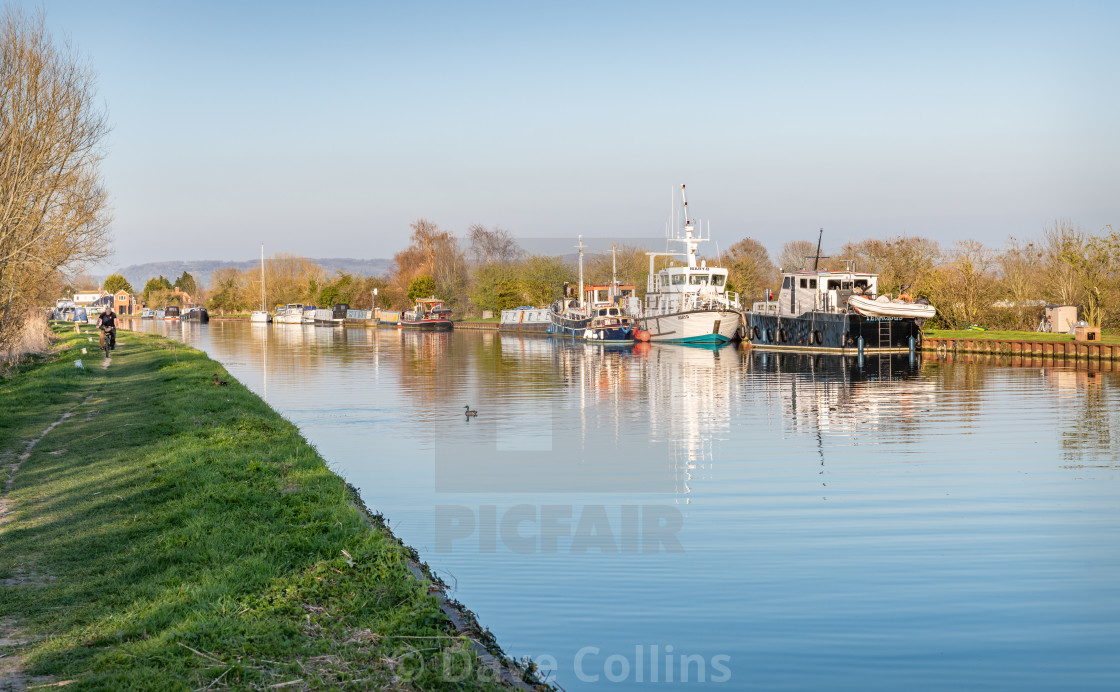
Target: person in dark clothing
{"x": 107, "y": 323}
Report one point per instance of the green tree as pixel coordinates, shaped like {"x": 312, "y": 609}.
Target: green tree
{"x": 226, "y": 295}
{"x": 421, "y": 287}
{"x": 186, "y": 284}
{"x": 116, "y": 282}
{"x": 542, "y": 277}
{"x": 496, "y": 287}
{"x": 156, "y": 284}
{"x": 749, "y": 268}
{"x": 1095, "y": 264}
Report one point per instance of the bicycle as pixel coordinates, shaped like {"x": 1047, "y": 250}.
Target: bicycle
{"x": 108, "y": 339}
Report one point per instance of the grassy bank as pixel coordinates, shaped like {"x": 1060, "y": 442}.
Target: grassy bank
{"x": 174, "y": 534}
{"x": 1106, "y": 337}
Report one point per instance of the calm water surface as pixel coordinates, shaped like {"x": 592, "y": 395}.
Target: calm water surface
{"x": 655, "y": 516}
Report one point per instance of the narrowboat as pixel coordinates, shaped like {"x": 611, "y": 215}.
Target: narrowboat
{"x": 195, "y": 313}
{"x": 428, "y": 314}
{"x": 525, "y": 320}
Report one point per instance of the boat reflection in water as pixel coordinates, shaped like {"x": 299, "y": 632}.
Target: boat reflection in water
{"x": 844, "y": 393}
{"x": 644, "y": 419}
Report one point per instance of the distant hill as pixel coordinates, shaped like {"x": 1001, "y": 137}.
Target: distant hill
{"x": 201, "y": 270}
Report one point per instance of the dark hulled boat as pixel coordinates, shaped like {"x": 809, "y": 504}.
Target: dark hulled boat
{"x": 812, "y": 312}
{"x": 429, "y": 314}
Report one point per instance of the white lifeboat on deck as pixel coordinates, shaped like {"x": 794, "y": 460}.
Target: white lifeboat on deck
{"x": 887, "y": 307}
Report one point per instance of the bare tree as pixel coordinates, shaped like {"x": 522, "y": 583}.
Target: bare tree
{"x": 797, "y": 254}
{"x": 493, "y": 245}
{"x": 53, "y": 208}
{"x": 1020, "y": 270}
{"x": 963, "y": 286}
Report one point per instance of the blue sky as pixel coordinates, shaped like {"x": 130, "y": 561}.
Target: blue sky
{"x": 325, "y": 129}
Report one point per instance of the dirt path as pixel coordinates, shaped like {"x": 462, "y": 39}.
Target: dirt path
{"x": 12, "y": 637}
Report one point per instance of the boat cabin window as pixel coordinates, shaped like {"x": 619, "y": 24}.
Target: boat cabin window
{"x": 812, "y": 283}
{"x": 786, "y": 282}
{"x": 836, "y": 284}
{"x": 861, "y": 285}
{"x": 698, "y": 279}
{"x": 718, "y": 279}
{"x": 678, "y": 279}
{"x": 804, "y": 283}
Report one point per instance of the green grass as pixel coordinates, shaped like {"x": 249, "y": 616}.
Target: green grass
{"x": 174, "y": 534}
{"x": 1106, "y": 337}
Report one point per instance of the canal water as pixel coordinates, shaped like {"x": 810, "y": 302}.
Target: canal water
{"x": 661, "y": 515}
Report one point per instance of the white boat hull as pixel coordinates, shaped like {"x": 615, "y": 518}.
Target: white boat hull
{"x": 891, "y": 308}
{"x": 260, "y": 316}
{"x": 701, "y": 326}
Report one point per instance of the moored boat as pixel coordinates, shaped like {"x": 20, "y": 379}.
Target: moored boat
{"x": 573, "y": 318}
{"x": 525, "y": 319}
{"x": 260, "y": 316}
{"x": 690, "y": 303}
{"x": 147, "y": 314}
{"x": 823, "y": 310}
{"x": 195, "y": 313}
{"x": 611, "y": 324}
{"x": 428, "y": 314}
{"x": 292, "y": 313}
{"x": 171, "y": 313}
{"x": 331, "y": 316}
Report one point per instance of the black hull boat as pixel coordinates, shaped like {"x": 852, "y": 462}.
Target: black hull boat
{"x": 195, "y": 315}
{"x": 832, "y": 332}
{"x": 826, "y": 311}
{"x": 568, "y": 319}
{"x": 428, "y": 315}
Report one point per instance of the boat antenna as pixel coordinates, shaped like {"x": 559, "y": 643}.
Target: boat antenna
{"x": 818, "y": 257}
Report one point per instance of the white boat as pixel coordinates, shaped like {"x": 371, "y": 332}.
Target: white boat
{"x": 689, "y": 303}
{"x": 883, "y": 306}
{"x": 289, "y": 314}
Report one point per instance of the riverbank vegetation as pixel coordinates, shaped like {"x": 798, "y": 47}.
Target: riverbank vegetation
{"x": 174, "y": 533}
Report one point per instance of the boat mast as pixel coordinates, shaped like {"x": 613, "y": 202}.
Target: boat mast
{"x": 818, "y": 257}
{"x": 262, "y": 278}
{"x": 689, "y": 242}
{"x": 614, "y": 272}
{"x": 580, "y": 246}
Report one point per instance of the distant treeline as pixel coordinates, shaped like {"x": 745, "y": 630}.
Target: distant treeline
{"x": 968, "y": 282}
